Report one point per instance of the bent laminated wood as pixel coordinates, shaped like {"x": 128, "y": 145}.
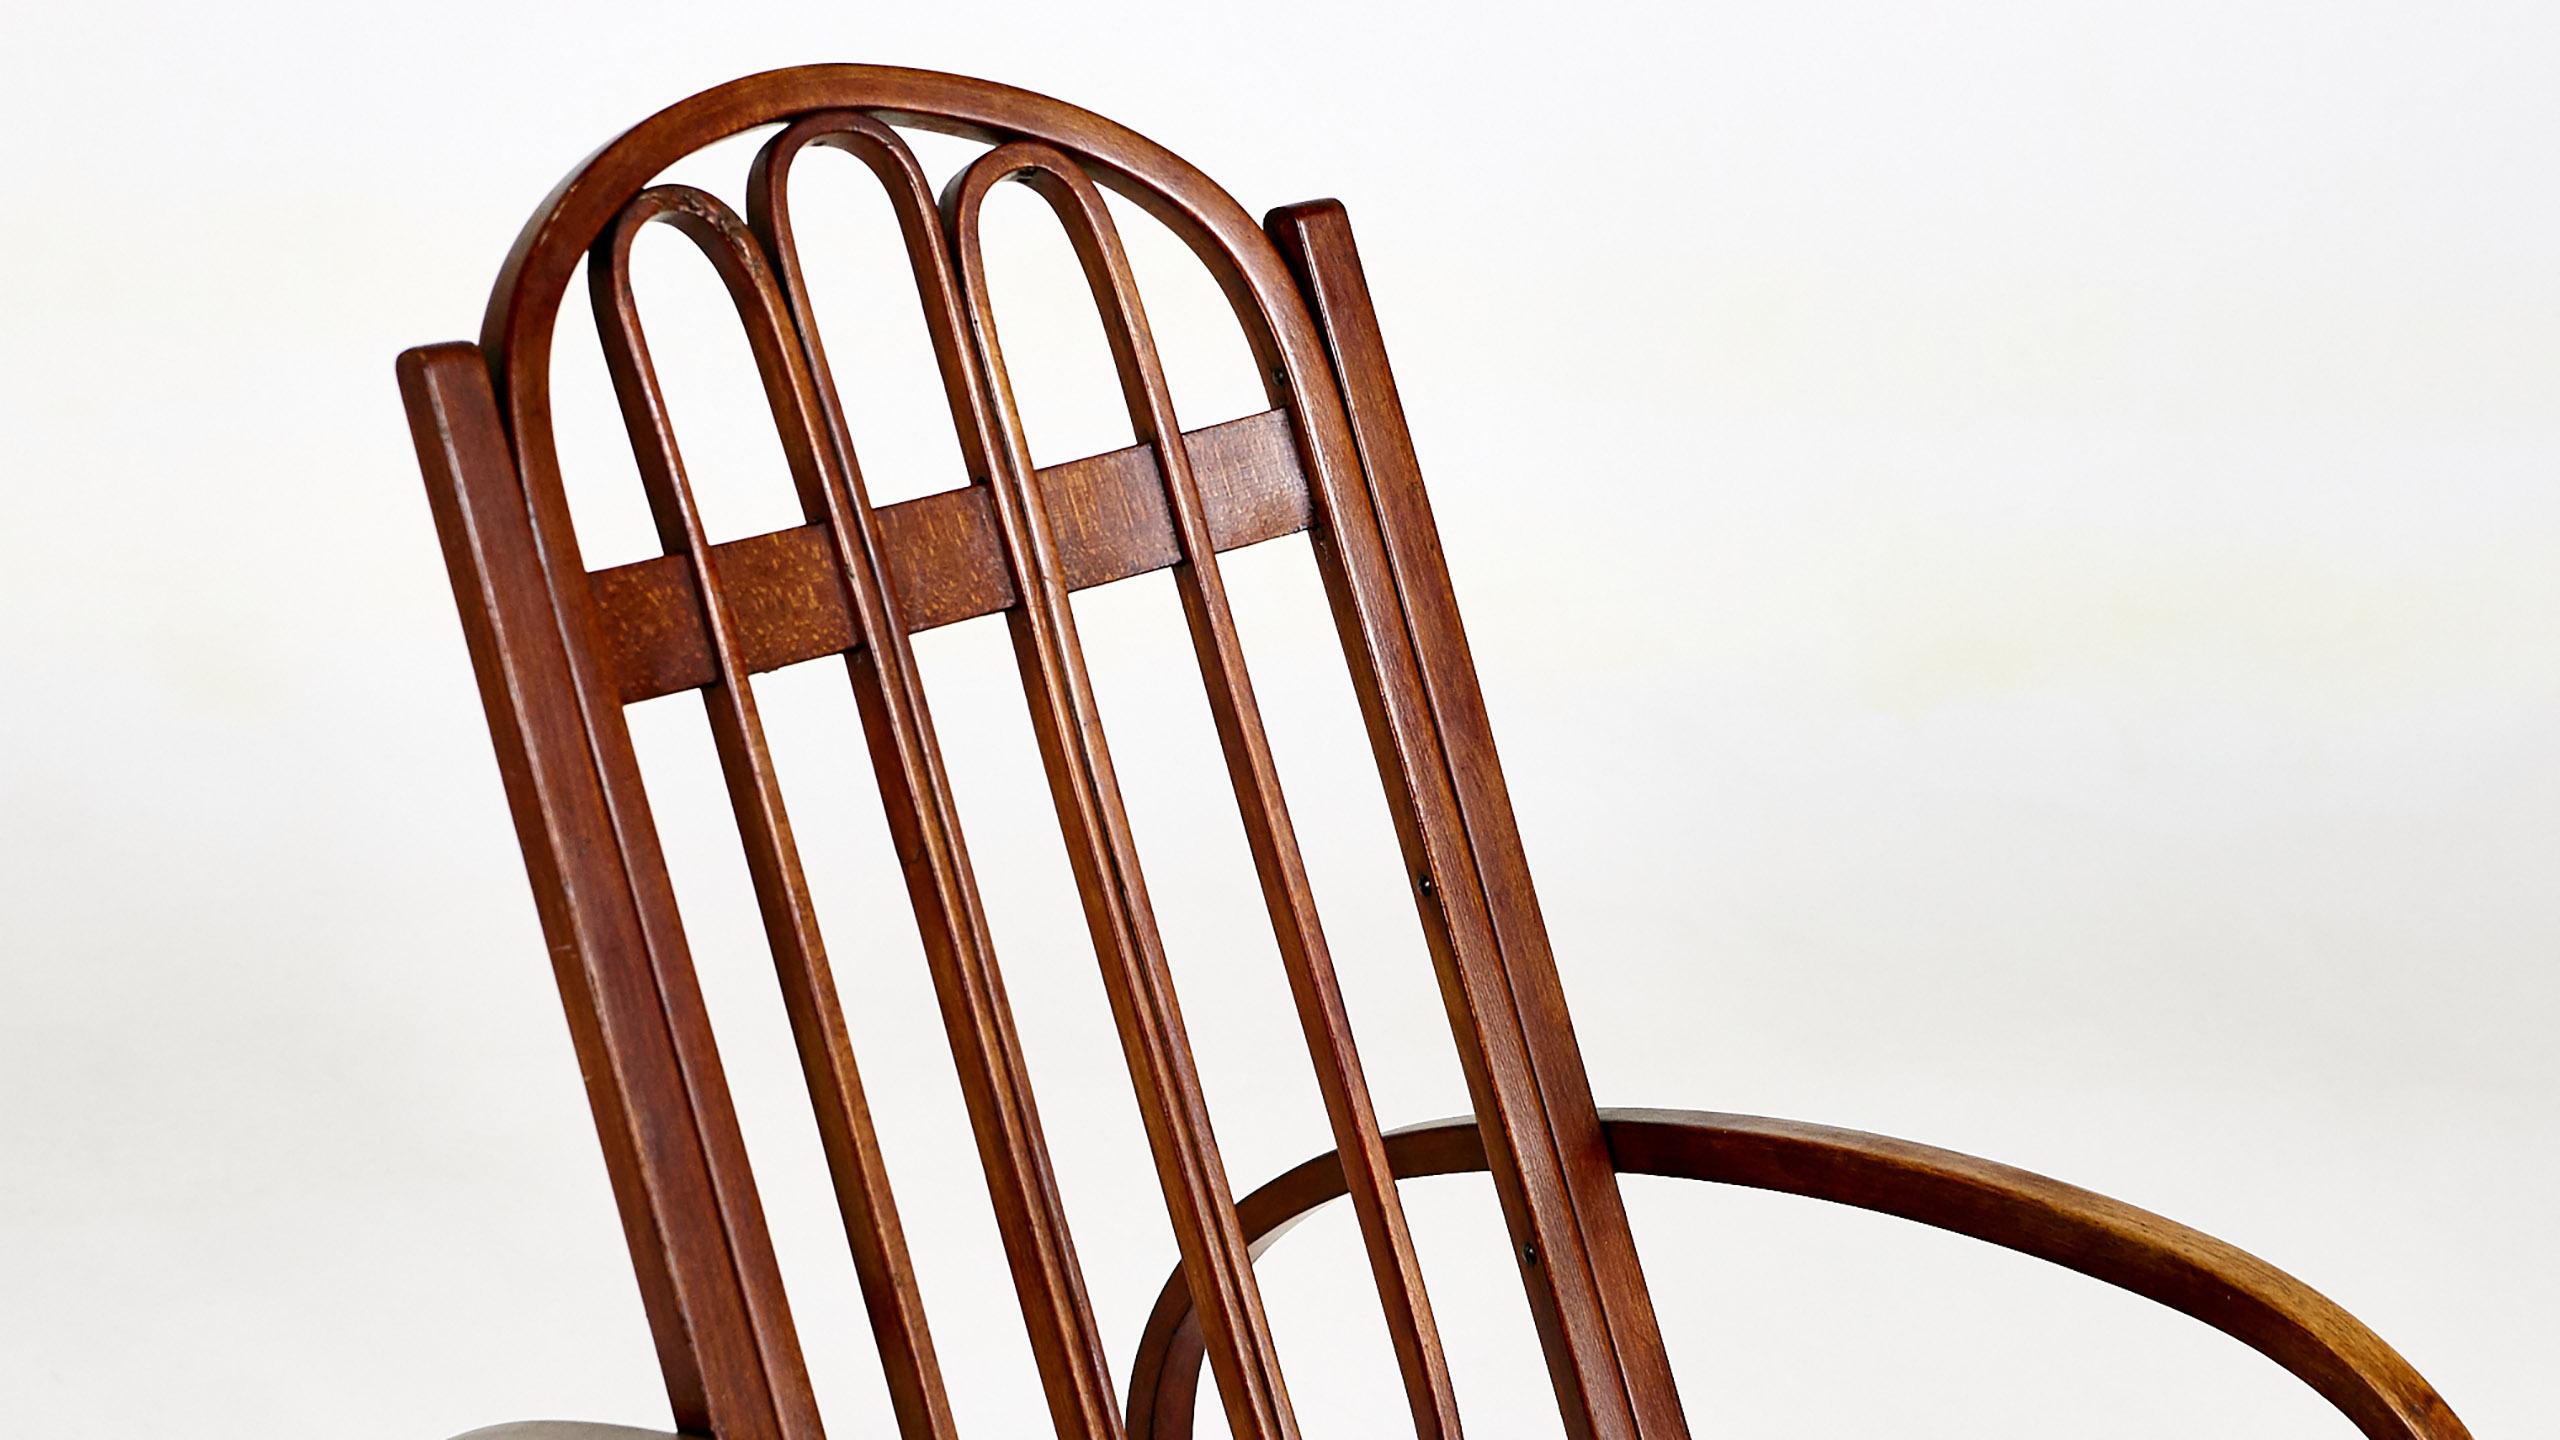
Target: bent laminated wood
{"x": 560, "y": 651}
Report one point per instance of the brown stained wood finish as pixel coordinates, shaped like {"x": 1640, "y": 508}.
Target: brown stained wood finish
{"x": 1219, "y": 1270}
{"x": 689, "y": 1213}
{"x": 2225, "y": 1287}
{"x": 817, "y": 1020}
{"x": 559, "y": 652}
{"x": 1104, "y": 855}
{"x": 946, "y": 556}
{"x": 1381, "y": 559}
{"x": 1074, "y": 1373}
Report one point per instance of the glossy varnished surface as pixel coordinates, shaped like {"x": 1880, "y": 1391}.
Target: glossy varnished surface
{"x": 560, "y": 651}
{"x": 2125, "y": 1246}
{"x": 945, "y": 556}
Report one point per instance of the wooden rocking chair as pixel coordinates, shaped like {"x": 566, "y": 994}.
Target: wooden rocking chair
{"x": 560, "y": 651}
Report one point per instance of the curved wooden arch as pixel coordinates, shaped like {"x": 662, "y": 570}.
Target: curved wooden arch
{"x": 690, "y": 1206}
{"x": 2222, "y": 1285}
{"x": 524, "y": 306}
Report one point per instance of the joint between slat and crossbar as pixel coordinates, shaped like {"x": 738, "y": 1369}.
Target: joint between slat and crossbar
{"x": 945, "y": 557}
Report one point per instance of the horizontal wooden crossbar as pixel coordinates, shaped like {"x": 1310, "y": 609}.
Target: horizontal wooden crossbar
{"x": 944, "y": 558}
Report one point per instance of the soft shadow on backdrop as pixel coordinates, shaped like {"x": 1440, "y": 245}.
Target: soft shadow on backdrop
{"x": 2011, "y": 555}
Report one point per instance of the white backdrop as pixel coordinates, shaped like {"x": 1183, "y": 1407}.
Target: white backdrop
{"x": 2012, "y": 554}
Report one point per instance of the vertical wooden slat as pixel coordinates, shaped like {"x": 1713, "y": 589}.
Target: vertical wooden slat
{"x": 669, "y": 958}
{"x": 1278, "y": 864}
{"x": 658, "y": 1112}
{"x": 1069, "y": 724}
{"x": 1381, "y": 558}
{"x": 869, "y": 1211}
{"x": 1075, "y": 1372}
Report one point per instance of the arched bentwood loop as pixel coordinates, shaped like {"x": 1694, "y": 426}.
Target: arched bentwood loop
{"x": 561, "y": 650}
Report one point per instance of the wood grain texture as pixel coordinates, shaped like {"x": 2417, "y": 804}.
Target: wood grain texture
{"x": 669, "y": 1135}
{"x": 1091, "y": 815}
{"x": 945, "y": 557}
{"x": 995, "y": 1084}
{"x": 1214, "y": 1252}
{"x": 881, "y": 1264}
{"x": 2125, "y": 1246}
{"x": 560, "y": 652}
{"x": 1380, "y": 556}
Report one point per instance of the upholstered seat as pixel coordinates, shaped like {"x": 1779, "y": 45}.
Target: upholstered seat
{"x": 564, "y": 1431}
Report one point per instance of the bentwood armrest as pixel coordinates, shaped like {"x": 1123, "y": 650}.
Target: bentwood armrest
{"x": 2128, "y": 1247}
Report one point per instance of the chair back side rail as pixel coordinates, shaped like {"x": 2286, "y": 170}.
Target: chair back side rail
{"x": 660, "y": 1119}
{"x": 1379, "y": 553}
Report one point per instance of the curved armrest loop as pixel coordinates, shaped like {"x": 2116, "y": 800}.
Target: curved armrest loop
{"x": 2127, "y": 1247}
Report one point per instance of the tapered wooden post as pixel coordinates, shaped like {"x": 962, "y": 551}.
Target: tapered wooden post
{"x": 705, "y": 1265}
{"x": 1471, "y": 879}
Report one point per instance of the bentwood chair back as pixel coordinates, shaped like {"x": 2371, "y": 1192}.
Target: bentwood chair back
{"x": 561, "y": 651}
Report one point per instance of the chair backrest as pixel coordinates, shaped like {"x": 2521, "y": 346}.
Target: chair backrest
{"x": 560, "y": 651}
